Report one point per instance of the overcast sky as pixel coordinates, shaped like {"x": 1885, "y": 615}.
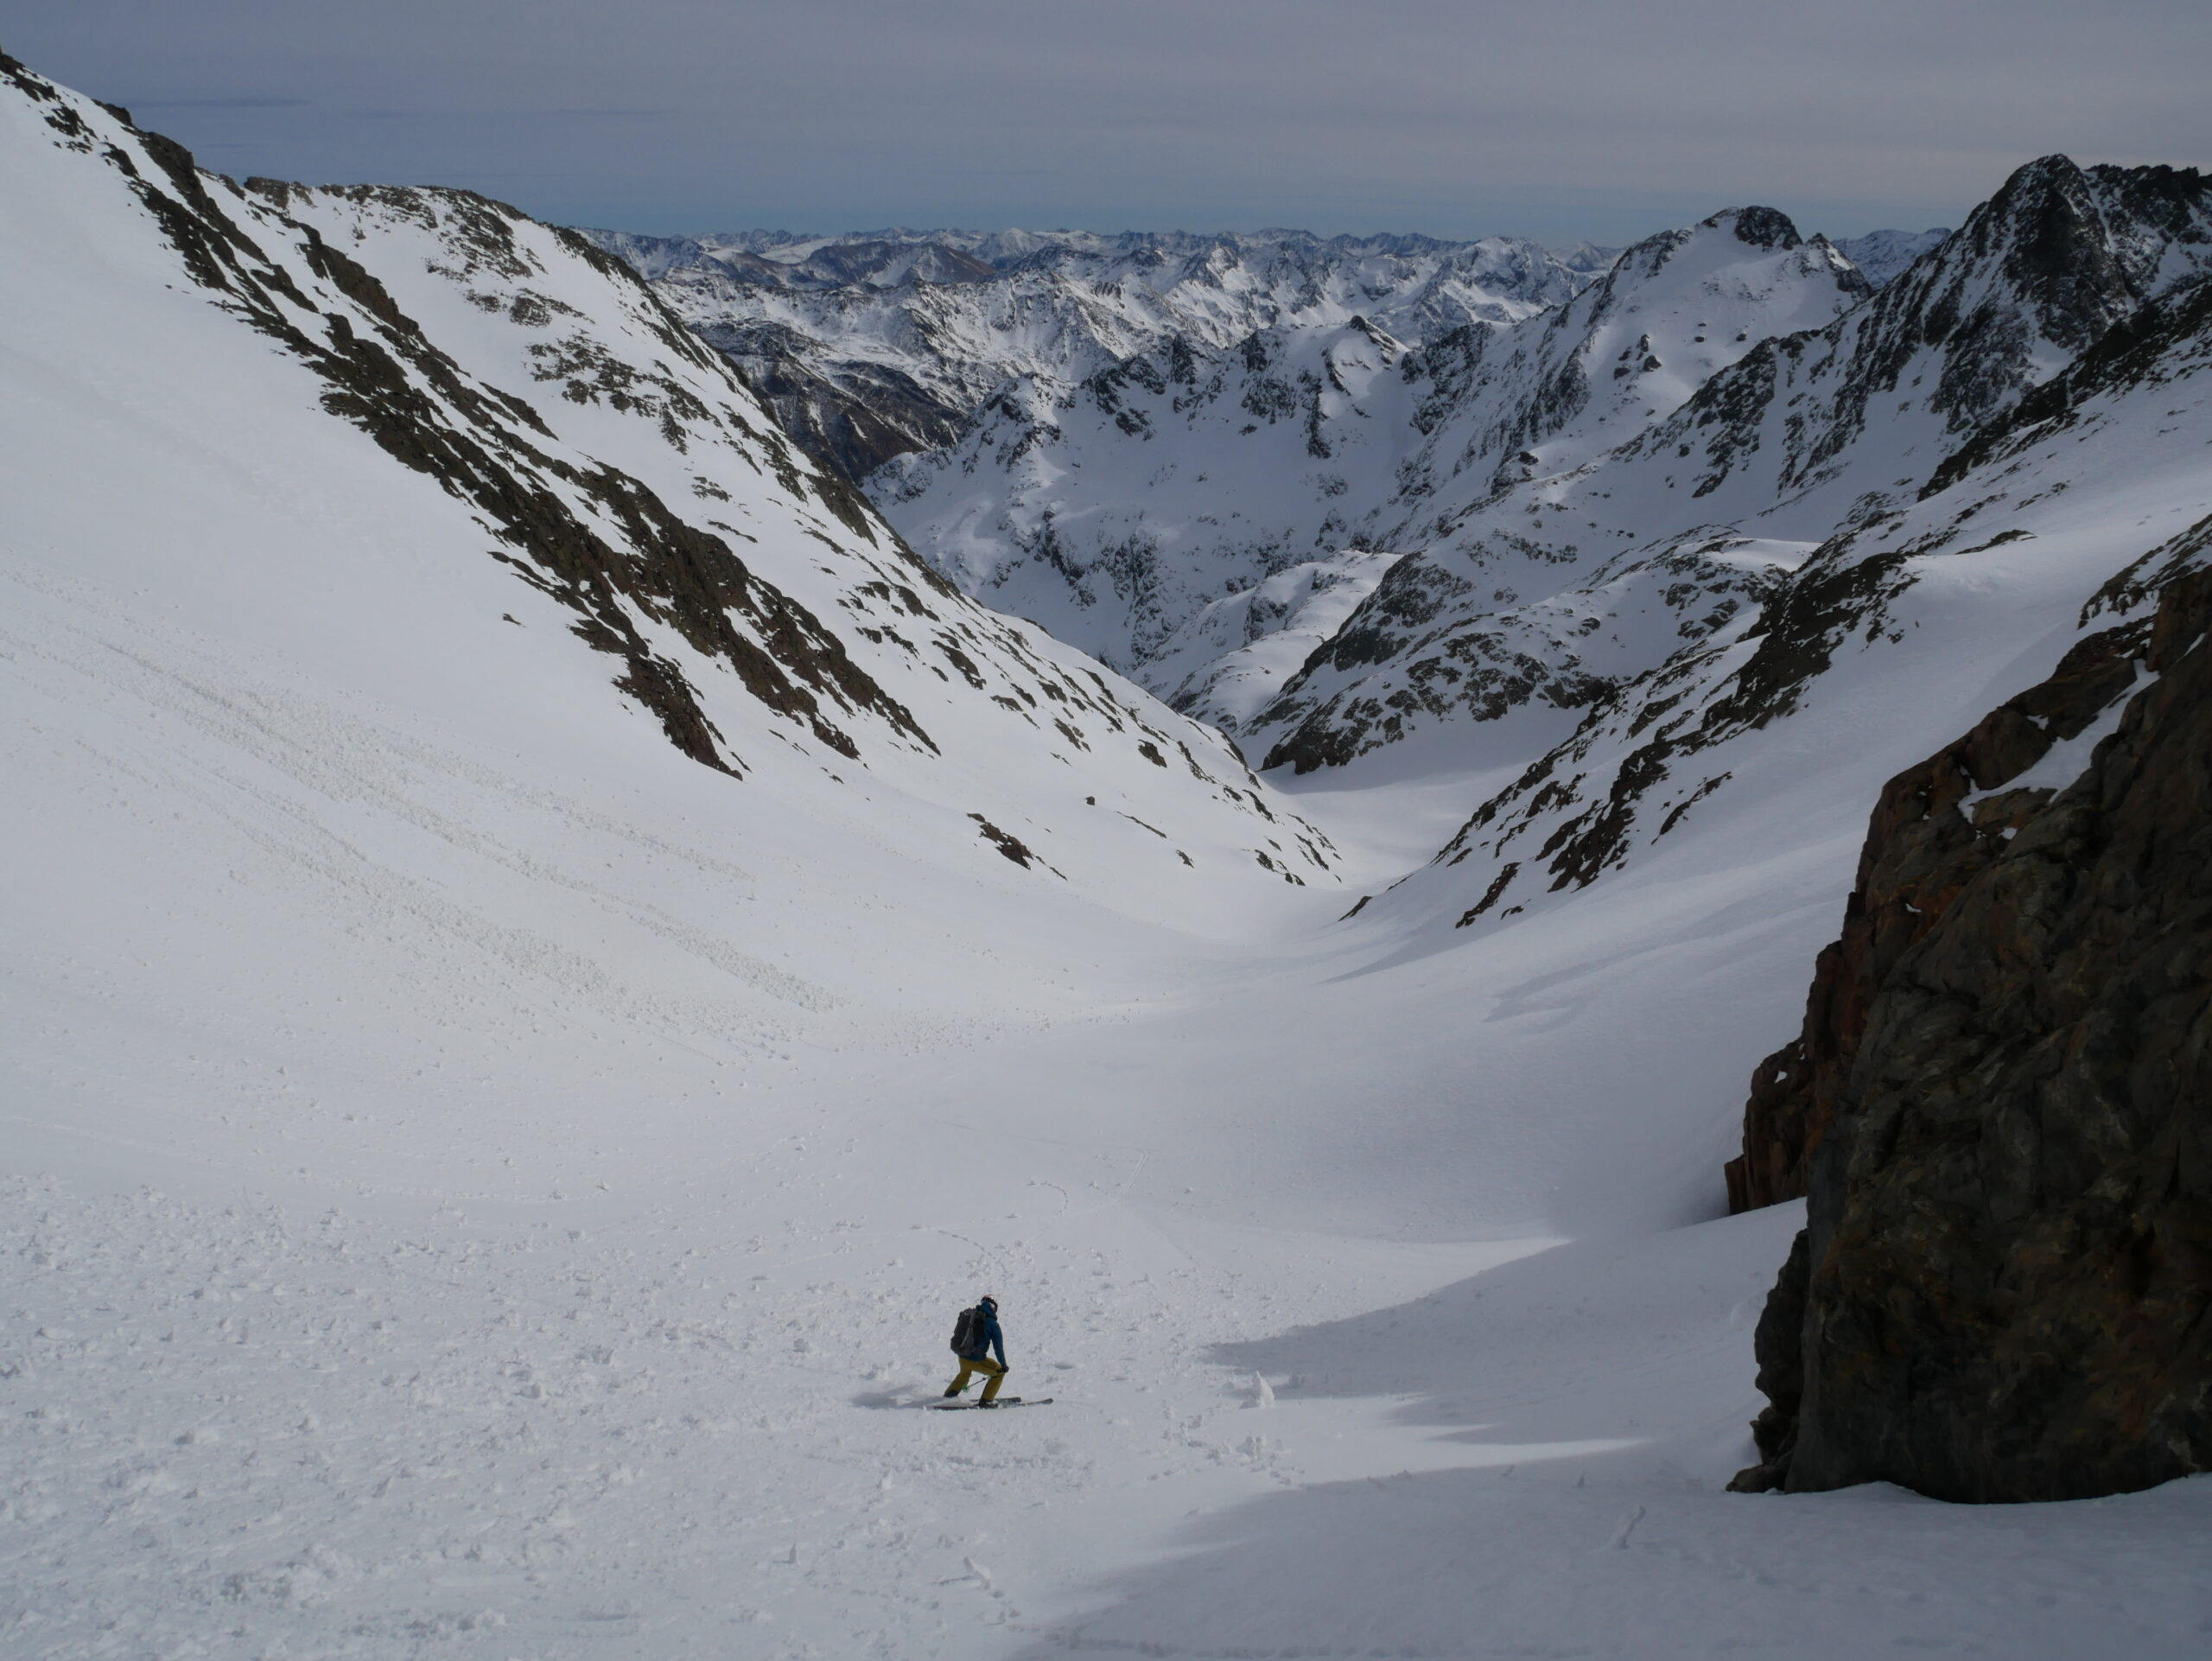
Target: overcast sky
{"x": 1559, "y": 119}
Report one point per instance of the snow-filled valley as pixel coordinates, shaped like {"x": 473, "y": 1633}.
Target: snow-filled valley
{"x": 548, "y": 957}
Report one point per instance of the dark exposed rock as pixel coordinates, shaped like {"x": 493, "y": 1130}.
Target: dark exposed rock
{"x": 1012, "y": 846}
{"x": 1777, "y": 1344}
{"x": 851, "y": 417}
{"x": 2001, "y": 1108}
{"x": 1921, "y": 852}
{"x": 1760, "y": 228}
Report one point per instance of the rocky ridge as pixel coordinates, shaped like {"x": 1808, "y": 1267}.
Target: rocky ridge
{"x": 1981, "y": 458}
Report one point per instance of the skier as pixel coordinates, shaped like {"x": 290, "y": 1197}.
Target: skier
{"x": 977, "y": 1336}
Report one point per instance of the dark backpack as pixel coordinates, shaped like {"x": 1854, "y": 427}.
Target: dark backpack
{"x": 968, "y": 1332}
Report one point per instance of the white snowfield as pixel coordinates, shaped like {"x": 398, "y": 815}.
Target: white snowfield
{"x": 480, "y": 1183}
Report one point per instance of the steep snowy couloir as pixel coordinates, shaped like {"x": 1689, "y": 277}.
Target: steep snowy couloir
{"x": 481, "y": 1178}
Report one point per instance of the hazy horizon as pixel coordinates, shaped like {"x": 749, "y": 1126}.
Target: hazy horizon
{"x": 1586, "y": 120}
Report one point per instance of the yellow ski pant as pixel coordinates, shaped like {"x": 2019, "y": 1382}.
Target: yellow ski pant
{"x": 969, "y": 1365}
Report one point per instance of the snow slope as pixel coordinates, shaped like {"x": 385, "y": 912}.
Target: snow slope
{"x": 480, "y": 1181}
{"x": 1234, "y": 654}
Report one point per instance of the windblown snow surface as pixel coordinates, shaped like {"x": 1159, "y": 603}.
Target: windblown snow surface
{"x": 480, "y": 1183}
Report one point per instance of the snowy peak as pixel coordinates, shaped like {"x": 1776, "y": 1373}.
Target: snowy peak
{"x": 2049, "y": 262}
{"x": 2057, "y": 258}
{"x": 2080, "y": 249}
{"x": 1669, "y": 314}
{"x": 1722, "y": 558}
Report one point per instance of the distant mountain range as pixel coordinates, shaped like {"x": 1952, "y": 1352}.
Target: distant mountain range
{"x": 875, "y": 345}
{"x": 1596, "y": 516}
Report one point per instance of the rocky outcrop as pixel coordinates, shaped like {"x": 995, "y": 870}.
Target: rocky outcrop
{"x": 1924, "y": 846}
{"x": 2001, "y": 1108}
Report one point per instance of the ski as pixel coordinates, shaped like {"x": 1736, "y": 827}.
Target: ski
{"x": 977, "y": 1407}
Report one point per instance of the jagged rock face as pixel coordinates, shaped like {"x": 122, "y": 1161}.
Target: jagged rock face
{"x": 530, "y": 399}
{"x": 1800, "y": 440}
{"x": 2003, "y": 1288}
{"x": 1937, "y": 826}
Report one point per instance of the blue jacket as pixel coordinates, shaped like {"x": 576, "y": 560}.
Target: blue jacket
{"x": 991, "y": 1338}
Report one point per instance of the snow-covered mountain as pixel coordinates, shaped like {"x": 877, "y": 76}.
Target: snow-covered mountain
{"x": 1880, "y": 255}
{"x": 1114, "y": 511}
{"x": 511, "y": 441}
{"x": 906, "y": 354}
{"x": 875, "y": 345}
{"x": 1929, "y": 490}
